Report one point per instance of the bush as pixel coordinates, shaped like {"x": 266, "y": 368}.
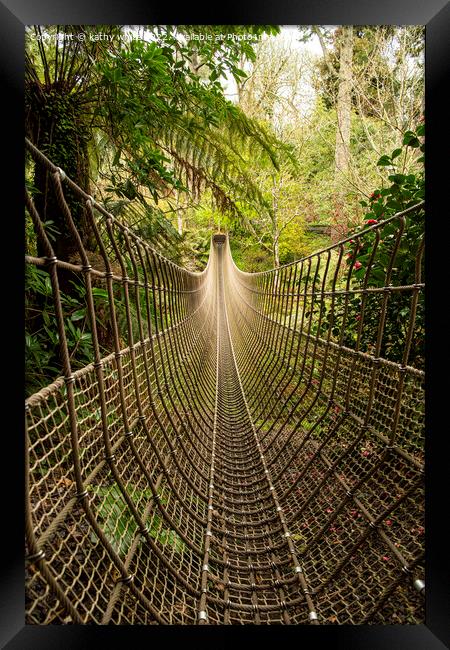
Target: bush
{"x": 404, "y": 192}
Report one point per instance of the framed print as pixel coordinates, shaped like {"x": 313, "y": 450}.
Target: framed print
{"x": 226, "y": 332}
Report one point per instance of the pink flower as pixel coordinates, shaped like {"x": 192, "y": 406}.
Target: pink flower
{"x": 386, "y": 558}
{"x": 365, "y": 452}
{"x": 388, "y": 522}
{"x": 358, "y": 265}
{"x": 371, "y": 221}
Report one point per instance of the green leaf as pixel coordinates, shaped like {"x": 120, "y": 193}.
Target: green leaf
{"x": 384, "y": 161}
{"x": 378, "y": 209}
{"x": 119, "y": 525}
{"x": 72, "y": 329}
{"x": 394, "y": 204}
{"x": 100, "y": 293}
{"x": 115, "y": 162}
{"x": 396, "y": 153}
{"x": 116, "y": 74}
{"x": 420, "y": 130}
{"x": 78, "y": 315}
{"x": 240, "y": 73}
{"x": 377, "y": 276}
{"x": 29, "y": 341}
{"x": 410, "y": 139}
{"x": 397, "y": 178}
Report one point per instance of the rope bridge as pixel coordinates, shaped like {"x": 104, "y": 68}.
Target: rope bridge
{"x": 236, "y": 457}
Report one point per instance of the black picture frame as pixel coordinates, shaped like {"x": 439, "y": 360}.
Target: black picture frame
{"x": 14, "y": 15}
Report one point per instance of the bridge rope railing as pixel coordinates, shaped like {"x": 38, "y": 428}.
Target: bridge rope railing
{"x": 240, "y": 448}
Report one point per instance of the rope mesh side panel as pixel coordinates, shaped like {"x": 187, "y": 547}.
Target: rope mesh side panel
{"x": 231, "y": 458}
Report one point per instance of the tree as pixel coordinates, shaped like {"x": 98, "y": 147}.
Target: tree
{"x": 165, "y": 129}
{"x": 343, "y": 38}
{"x": 133, "y": 123}
{"x": 268, "y": 227}
{"x": 386, "y": 100}
{"x": 344, "y": 107}
{"x": 272, "y": 94}
{"x": 275, "y": 87}
{"x": 59, "y": 100}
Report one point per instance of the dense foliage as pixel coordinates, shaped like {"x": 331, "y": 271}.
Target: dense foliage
{"x": 141, "y": 118}
{"x": 394, "y": 257}
{"x": 134, "y": 120}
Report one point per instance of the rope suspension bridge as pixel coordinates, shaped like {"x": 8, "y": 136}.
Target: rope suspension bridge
{"x": 233, "y": 459}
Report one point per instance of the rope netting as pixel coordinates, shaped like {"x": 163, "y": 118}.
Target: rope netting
{"x": 248, "y": 451}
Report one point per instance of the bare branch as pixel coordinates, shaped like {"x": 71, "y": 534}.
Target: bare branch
{"x": 326, "y": 55}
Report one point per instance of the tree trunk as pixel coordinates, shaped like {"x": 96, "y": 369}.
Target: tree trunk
{"x": 54, "y": 128}
{"x": 179, "y": 214}
{"x": 342, "y": 150}
{"x": 275, "y": 229}
{"x": 276, "y": 251}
